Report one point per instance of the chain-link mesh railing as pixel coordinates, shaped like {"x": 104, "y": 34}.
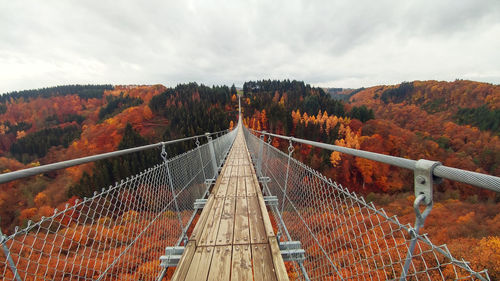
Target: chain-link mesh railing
{"x": 344, "y": 237}
{"x": 119, "y": 233}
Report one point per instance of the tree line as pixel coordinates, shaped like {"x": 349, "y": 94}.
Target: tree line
{"x": 36, "y": 145}
{"x": 83, "y": 91}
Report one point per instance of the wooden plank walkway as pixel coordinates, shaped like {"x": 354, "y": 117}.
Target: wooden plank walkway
{"x": 233, "y": 239}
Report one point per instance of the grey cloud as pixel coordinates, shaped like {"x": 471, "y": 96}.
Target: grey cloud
{"x": 336, "y": 43}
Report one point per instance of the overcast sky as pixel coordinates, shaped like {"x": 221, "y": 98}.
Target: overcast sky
{"x": 333, "y": 43}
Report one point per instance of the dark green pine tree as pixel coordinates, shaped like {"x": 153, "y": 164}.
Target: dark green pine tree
{"x": 233, "y": 90}
{"x": 134, "y": 163}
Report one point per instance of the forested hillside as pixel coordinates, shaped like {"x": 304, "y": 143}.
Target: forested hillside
{"x": 456, "y": 123}
{"x": 54, "y": 124}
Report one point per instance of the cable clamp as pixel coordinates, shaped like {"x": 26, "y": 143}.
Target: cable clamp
{"x": 163, "y": 152}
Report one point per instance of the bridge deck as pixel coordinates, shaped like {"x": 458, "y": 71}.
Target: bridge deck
{"x": 233, "y": 238}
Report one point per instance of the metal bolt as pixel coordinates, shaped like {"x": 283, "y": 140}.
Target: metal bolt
{"x": 421, "y": 180}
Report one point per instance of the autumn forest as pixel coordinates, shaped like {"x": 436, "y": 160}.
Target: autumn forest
{"x": 456, "y": 123}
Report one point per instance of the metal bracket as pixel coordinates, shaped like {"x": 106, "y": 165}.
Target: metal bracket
{"x": 271, "y": 200}
{"x": 199, "y": 203}
{"x": 172, "y": 256}
{"x": 210, "y": 181}
{"x": 264, "y": 179}
{"x": 208, "y": 184}
{"x": 292, "y": 251}
{"x": 424, "y": 179}
{"x": 261, "y": 152}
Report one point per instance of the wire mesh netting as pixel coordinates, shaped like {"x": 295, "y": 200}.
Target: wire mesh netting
{"x": 344, "y": 237}
{"x": 119, "y": 233}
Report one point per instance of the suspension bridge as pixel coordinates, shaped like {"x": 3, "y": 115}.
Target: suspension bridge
{"x": 234, "y": 208}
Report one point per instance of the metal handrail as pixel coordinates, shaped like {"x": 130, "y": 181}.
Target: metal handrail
{"x": 440, "y": 171}
{"x": 7, "y": 177}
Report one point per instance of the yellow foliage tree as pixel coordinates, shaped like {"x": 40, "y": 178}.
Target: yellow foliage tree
{"x": 335, "y": 158}
{"x": 40, "y": 199}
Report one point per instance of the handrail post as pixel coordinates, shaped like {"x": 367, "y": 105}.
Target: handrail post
{"x": 261, "y": 153}
{"x": 424, "y": 181}
{"x": 219, "y": 152}
{"x": 6, "y": 251}
{"x": 201, "y": 159}
{"x": 212, "y": 154}
{"x": 290, "y": 152}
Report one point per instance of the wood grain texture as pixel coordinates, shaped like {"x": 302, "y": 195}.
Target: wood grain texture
{"x": 279, "y": 265}
{"x": 241, "y": 190}
{"x": 241, "y": 266}
{"x": 200, "y": 225}
{"x": 209, "y": 234}
{"x": 200, "y": 264}
{"x": 233, "y": 185}
{"x": 226, "y": 227}
{"x": 185, "y": 262}
{"x": 257, "y": 230}
{"x": 262, "y": 263}
{"x": 234, "y": 172}
{"x": 265, "y": 216}
{"x": 241, "y": 224}
{"x": 250, "y": 187}
{"x": 221, "y": 264}
{"x": 222, "y": 188}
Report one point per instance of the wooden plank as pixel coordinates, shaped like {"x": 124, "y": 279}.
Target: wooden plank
{"x": 200, "y": 264}
{"x": 279, "y": 265}
{"x": 263, "y": 268}
{"x": 253, "y": 173}
{"x": 256, "y": 183}
{"x": 234, "y": 172}
{"x": 221, "y": 264}
{"x": 227, "y": 172}
{"x": 233, "y": 184}
{"x": 209, "y": 233}
{"x": 241, "y": 224}
{"x": 245, "y": 161}
{"x": 200, "y": 225}
{"x": 251, "y": 187}
{"x": 265, "y": 216}
{"x": 246, "y": 171}
{"x": 257, "y": 230}
{"x": 241, "y": 189}
{"x": 219, "y": 179}
{"x": 225, "y": 234}
{"x": 241, "y": 267}
{"x": 241, "y": 171}
{"x": 193, "y": 266}
{"x": 224, "y": 167}
{"x": 206, "y": 261}
{"x": 222, "y": 188}
{"x": 185, "y": 262}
